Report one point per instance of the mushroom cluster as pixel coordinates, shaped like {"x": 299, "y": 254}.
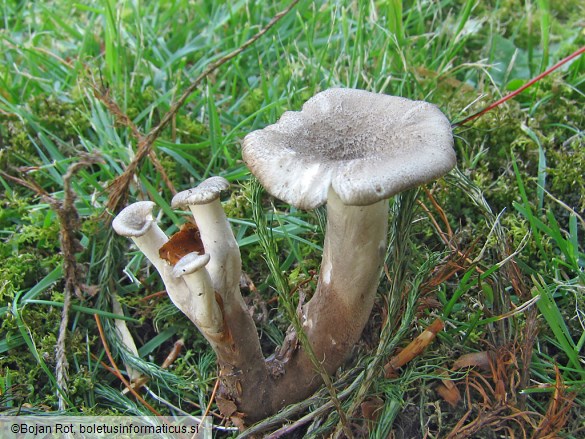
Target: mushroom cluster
{"x": 349, "y": 149}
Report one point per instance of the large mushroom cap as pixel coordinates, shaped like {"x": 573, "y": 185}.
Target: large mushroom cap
{"x": 366, "y": 146}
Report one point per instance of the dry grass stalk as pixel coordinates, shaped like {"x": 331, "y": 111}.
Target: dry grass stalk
{"x": 414, "y": 349}
{"x": 493, "y": 400}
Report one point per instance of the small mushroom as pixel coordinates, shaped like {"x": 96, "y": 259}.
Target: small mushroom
{"x": 206, "y": 311}
{"x": 136, "y": 222}
{"x": 353, "y": 150}
{"x": 216, "y": 234}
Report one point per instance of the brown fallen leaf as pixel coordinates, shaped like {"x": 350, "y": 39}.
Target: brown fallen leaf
{"x": 475, "y": 359}
{"x": 371, "y": 410}
{"x": 449, "y": 393}
{"x": 226, "y": 406}
{"x": 185, "y": 241}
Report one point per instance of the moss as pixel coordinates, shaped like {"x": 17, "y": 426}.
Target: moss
{"x": 42, "y": 324}
{"x": 16, "y": 148}
{"x": 192, "y": 130}
{"x": 238, "y": 205}
{"x": 252, "y": 102}
{"x": 565, "y": 170}
{"x": 61, "y": 117}
{"x": 19, "y": 141}
{"x": 30, "y": 245}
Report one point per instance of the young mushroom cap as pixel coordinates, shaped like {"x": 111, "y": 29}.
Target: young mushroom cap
{"x": 365, "y": 146}
{"x": 202, "y": 304}
{"x": 135, "y": 220}
{"x": 208, "y": 191}
{"x": 190, "y": 263}
{"x": 217, "y": 236}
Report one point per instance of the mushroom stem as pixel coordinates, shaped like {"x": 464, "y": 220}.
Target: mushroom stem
{"x": 245, "y": 376}
{"x": 218, "y": 239}
{"x": 225, "y": 265}
{"x": 353, "y": 255}
{"x": 205, "y": 310}
{"x": 334, "y": 318}
{"x": 136, "y": 222}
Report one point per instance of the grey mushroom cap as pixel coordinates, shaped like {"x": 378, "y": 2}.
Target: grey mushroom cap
{"x": 365, "y": 146}
{"x": 190, "y": 263}
{"x": 206, "y": 192}
{"x": 134, "y": 220}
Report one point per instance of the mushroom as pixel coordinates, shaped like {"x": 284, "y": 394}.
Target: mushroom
{"x": 348, "y": 148}
{"x": 351, "y": 149}
{"x": 238, "y": 350}
{"x": 207, "y": 314}
{"x": 216, "y": 234}
{"x": 194, "y": 279}
{"x": 136, "y": 222}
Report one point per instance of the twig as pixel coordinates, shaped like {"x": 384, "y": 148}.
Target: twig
{"x": 153, "y": 296}
{"x": 69, "y": 224}
{"x": 441, "y": 211}
{"x": 163, "y": 173}
{"x": 212, "y": 398}
{"x": 119, "y": 187}
{"x": 414, "y": 349}
{"x": 174, "y": 354}
{"x": 521, "y": 89}
{"x": 32, "y": 185}
{"x": 446, "y": 237}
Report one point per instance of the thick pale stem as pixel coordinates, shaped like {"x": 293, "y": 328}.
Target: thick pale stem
{"x": 353, "y": 256}
{"x": 333, "y": 320}
{"x": 225, "y": 265}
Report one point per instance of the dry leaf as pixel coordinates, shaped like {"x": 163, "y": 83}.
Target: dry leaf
{"x": 226, "y": 406}
{"x": 476, "y": 359}
{"x": 185, "y": 241}
{"x": 449, "y": 393}
{"x": 371, "y": 408}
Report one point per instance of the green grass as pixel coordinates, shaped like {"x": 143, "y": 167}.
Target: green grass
{"x": 515, "y": 206}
